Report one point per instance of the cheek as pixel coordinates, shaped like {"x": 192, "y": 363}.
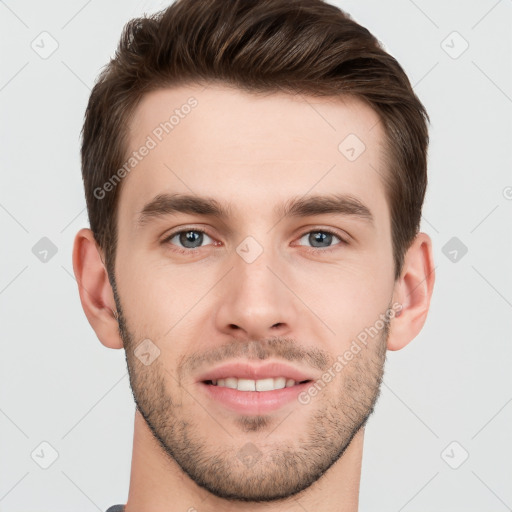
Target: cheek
{"x": 348, "y": 298}
{"x": 159, "y": 297}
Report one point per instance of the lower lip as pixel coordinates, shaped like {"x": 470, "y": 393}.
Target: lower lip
{"x": 253, "y": 402}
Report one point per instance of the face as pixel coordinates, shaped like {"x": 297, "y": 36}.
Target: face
{"x": 279, "y": 260}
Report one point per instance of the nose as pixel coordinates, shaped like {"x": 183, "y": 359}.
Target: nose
{"x": 255, "y": 301}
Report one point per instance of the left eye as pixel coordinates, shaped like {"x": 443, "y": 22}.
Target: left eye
{"x": 190, "y": 238}
{"x": 320, "y": 237}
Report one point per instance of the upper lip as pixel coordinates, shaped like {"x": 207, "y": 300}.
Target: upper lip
{"x": 246, "y": 370}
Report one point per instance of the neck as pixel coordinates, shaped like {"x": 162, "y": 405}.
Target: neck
{"x": 158, "y": 483}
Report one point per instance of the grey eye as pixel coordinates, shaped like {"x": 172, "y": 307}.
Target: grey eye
{"x": 189, "y": 238}
{"x": 319, "y": 238}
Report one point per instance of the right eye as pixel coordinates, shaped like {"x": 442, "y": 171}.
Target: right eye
{"x": 190, "y": 239}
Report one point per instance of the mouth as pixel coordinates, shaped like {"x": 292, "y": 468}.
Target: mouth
{"x": 246, "y": 376}
{"x": 260, "y": 385}
{"x": 249, "y": 389}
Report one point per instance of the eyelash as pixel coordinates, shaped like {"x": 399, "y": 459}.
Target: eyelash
{"x": 200, "y": 230}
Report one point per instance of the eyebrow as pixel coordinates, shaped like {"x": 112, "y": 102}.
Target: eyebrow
{"x": 305, "y": 206}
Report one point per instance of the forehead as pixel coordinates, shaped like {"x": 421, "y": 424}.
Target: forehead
{"x": 252, "y": 149}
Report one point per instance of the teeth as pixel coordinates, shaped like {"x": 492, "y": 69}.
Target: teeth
{"x": 243, "y": 384}
{"x": 230, "y": 383}
{"x": 266, "y": 384}
{"x": 254, "y": 385}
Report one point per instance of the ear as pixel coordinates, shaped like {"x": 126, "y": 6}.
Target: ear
{"x": 96, "y": 294}
{"x": 413, "y": 291}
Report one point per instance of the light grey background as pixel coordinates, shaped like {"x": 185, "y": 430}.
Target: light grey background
{"x": 59, "y": 385}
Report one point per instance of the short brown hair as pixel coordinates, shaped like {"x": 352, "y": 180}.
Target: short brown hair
{"x": 294, "y": 46}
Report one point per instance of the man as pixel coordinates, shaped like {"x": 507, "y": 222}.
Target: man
{"x": 254, "y": 174}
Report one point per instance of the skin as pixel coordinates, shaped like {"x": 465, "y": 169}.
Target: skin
{"x": 296, "y": 302}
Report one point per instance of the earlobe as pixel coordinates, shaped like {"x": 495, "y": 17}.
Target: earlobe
{"x": 94, "y": 289}
{"x": 413, "y": 290}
